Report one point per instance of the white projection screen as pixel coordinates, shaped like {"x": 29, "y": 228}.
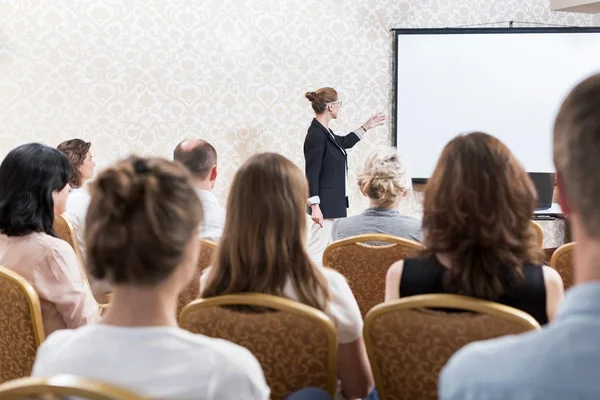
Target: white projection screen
{"x": 505, "y": 82}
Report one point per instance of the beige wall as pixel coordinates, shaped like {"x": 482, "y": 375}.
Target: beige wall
{"x": 140, "y": 75}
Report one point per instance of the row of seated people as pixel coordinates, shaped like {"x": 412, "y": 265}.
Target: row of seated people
{"x": 130, "y": 231}
{"x": 141, "y": 232}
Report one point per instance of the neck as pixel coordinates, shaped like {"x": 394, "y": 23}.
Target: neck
{"x": 205, "y": 184}
{"x": 138, "y": 306}
{"x": 586, "y": 258}
{"x": 392, "y": 207}
{"x": 324, "y": 119}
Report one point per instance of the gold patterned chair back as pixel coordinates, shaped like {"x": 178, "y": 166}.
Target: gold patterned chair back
{"x": 562, "y": 262}
{"x": 61, "y": 387}
{"x": 208, "y": 250}
{"x": 365, "y": 265}
{"x": 540, "y": 233}
{"x": 22, "y": 329}
{"x": 65, "y": 231}
{"x": 296, "y": 345}
{"x": 410, "y": 340}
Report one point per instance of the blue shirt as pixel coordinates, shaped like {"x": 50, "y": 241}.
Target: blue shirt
{"x": 560, "y": 362}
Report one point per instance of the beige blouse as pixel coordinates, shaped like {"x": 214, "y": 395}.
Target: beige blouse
{"x": 52, "y": 268}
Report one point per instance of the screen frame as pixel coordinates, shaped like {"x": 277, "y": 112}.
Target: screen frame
{"x": 462, "y": 31}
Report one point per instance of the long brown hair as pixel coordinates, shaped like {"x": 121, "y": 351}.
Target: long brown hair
{"x": 263, "y": 243}
{"x": 142, "y": 215}
{"x": 76, "y": 151}
{"x": 477, "y": 210}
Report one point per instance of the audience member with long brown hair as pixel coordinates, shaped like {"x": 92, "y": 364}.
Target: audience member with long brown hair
{"x": 263, "y": 250}
{"x": 477, "y": 232}
{"x": 141, "y": 231}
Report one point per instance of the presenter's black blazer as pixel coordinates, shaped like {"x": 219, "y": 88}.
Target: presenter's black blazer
{"x": 326, "y": 163}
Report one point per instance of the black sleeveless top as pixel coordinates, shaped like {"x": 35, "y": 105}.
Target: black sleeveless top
{"x": 426, "y": 276}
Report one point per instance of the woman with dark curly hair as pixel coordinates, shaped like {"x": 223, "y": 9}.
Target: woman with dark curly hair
{"x": 477, "y": 231}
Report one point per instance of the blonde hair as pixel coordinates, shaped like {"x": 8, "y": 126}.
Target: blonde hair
{"x": 384, "y": 178}
{"x": 262, "y": 247}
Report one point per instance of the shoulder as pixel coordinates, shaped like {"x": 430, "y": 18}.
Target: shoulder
{"x": 235, "y": 364}
{"x": 395, "y": 271}
{"x": 52, "y": 347}
{"x": 468, "y": 371}
{"x": 52, "y": 246}
{"x": 552, "y": 277}
{"x": 343, "y": 308}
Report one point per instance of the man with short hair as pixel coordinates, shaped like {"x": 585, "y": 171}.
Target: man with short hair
{"x": 200, "y": 158}
{"x": 562, "y": 361}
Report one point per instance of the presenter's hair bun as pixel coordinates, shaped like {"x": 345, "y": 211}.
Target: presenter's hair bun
{"x": 311, "y": 96}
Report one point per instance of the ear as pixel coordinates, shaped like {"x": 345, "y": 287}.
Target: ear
{"x": 213, "y": 173}
{"x": 562, "y": 196}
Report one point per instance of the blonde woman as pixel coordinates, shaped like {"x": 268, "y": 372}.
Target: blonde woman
{"x": 262, "y": 250}
{"x": 385, "y": 181}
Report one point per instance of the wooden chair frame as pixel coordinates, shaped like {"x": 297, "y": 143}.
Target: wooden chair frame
{"x": 371, "y": 237}
{"x": 569, "y": 247}
{"x": 540, "y": 233}
{"x": 64, "y": 386}
{"x": 279, "y": 304}
{"x": 438, "y": 301}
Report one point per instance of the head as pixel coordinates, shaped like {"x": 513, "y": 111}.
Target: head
{"x": 141, "y": 225}
{"x": 200, "y": 158}
{"x": 477, "y": 210}
{"x": 81, "y": 161}
{"x": 33, "y": 189}
{"x": 325, "y": 101}
{"x": 576, "y": 150}
{"x": 384, "y": 179}
{"x": 263, "y": 242}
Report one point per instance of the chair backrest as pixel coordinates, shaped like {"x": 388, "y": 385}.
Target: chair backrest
{"x": 61, "y": 387}
{"x": 22, "y": 329}
{"x": 562, "y": 262}
{"x": 540, "y": 233}
{"x": 296, "y": 345}
{"x": 410, "y": 340}
{"x": 65, "y": 231}
{"x": 208, "y": 250}
{"x": 365, "y": 265}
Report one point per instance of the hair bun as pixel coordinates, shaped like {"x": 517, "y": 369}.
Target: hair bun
{"x": 311, "y": 96}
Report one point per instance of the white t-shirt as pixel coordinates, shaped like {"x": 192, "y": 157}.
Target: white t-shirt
{"x": 77, "y": 205}
{"x": 342, "y": 308}
{"x": 214, "y": 216}
{"x": 156, "y": 362}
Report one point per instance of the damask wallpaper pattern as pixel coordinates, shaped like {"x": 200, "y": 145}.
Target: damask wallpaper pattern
{"x": 141, "y": 75}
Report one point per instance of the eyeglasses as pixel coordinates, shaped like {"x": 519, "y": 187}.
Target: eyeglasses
{"x": 339, "y": 103}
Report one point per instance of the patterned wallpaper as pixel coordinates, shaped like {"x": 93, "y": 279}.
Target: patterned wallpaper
{"x": 141, "y": 75}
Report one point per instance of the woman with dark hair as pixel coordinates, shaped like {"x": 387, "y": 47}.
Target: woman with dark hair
{"x": 327, "y": 166}
{"x": 477, "y": 231}
{"x": 33, "y": 189}
{"x": 142, "y": 237}
{"x": 263, "y": 250}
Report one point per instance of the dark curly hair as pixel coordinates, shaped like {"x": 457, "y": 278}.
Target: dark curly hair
{"x": 75, "y": 150}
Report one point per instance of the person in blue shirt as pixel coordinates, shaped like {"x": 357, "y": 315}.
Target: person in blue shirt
{"x": 563, "y": 360}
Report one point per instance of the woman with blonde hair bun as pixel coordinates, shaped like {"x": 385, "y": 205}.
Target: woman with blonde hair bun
{"x": 385, "y": 181}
